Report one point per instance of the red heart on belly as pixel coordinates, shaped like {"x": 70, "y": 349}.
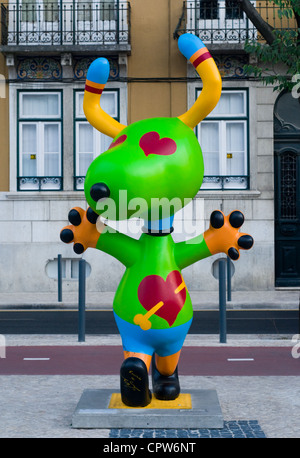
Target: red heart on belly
{"x": 154, "y": 289}
{"x": 152, "y": 144}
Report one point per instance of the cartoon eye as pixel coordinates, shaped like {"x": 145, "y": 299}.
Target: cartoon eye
{"x": 117, "y": 142}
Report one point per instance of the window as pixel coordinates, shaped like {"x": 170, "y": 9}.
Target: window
{"x": 40, "y": 141}
{"x": 107, "y": 12}
{"x": 233, "y": 10}
{"x": 29, "y": 11}
{"x": 208, "y": 9}
{"x": 223, "y": 137}
{"x": 214, "y": 9}
{"x": 90, "y": 11}
{"x": 39, "y": 11}
{"x": 51, "y": 10}
{"x": 84, "y": 10}
{"x": 89, "y": 142}
{"x": 218, "y": 21}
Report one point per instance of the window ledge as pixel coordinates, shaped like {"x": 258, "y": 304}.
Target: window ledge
{"x": 79, "y": 195}
{"x": 230, "y": 194}
{"x": 44, "y": 195}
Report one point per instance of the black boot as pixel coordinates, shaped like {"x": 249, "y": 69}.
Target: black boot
{"x": 165, "y": 387}
{"x": 134, "y": 383}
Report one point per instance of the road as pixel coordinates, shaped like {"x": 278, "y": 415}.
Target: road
{"x": 102, "y": 322}
{"x": 106, "y": 360}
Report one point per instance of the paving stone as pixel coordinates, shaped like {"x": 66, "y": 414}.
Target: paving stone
{"x": 232, "y": 429}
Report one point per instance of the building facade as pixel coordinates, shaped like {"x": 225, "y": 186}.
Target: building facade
{"x": 47, "y": 144}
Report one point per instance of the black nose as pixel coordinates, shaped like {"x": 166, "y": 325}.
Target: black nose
{"x": 99, "y": 191}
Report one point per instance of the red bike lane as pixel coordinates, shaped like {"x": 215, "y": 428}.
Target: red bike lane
{"x": 106, "y": 360}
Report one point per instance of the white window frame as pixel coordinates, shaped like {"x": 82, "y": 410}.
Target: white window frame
{"x": 222, "y": 180}
{"x": 40, "y": 121}
{"x": 40, "y": 154}
{"x": 95, "y": 14}
{"x": 55, "y": 116}
{"x": 213, "y": 114}
{"x": 97, "y": 136}
{"x": 37, "y": 15}
{"x": 80, "y": 114}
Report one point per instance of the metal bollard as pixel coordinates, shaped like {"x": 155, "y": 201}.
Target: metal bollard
{"x": 81, "y": 301}
{"x": 228, "y": 279}
{"x": 222, "y": 299}
{"x": 59, "y": 277}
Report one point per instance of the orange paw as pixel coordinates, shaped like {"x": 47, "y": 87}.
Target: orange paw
{"x": 83, "y": 231}
{"x": 223, "y": 235}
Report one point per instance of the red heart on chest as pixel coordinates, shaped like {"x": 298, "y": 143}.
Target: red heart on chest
{"x": 172, "y": 292}
{"x": 152, "y": 144}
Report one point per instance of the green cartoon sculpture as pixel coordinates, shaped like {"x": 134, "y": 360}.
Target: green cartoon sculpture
{"x": 150, "y": 160}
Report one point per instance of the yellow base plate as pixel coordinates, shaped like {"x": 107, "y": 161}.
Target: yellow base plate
{"x": 183, "y": 401}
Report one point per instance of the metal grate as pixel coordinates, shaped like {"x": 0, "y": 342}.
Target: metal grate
{"x": 40, "y": 183}
{"x": 224, "y": 182}
{"x": 288, "y": 207}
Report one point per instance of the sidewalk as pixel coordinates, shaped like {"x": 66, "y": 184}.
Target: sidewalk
{"x": 277, "y": 299}
{"x": 252, "y": 406}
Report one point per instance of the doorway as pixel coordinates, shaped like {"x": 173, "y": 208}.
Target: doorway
{"x": 287, "y": 190}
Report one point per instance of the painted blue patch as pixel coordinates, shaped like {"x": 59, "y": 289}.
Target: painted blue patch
{"x": 188, "y": 44}
{"x": 160, "y": 225}
{"x": 98, "y": 71}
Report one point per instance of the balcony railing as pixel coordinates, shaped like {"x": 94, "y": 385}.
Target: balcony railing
{"x": 40, "y": 183}
{"x": 65, "y": 23}
{"x": 225, "y": 182}
{"x": 216, "y": 22}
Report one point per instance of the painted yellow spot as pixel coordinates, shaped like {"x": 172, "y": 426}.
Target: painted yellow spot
{"x": 183, "y": 401}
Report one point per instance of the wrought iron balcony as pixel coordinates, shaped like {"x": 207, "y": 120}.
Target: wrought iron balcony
{"x": 225, "y": 182}
{"x": 40, "y": 183}
{"x": 218, "y": 22}
{"x": 56, "y": 23}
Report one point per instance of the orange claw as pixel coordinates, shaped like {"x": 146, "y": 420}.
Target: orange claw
{"x": 83, "y": 231}
{"x": 223, "y": 234}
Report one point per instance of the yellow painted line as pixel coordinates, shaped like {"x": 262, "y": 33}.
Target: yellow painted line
{"x": 183, "y": 401}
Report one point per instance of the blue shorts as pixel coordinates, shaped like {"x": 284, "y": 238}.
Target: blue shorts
{"x": 163, "y": 342}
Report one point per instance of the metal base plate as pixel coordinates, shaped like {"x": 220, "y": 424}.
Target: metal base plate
{"x": 203, "y": 411}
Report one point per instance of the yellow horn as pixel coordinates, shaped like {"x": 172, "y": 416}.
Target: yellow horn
{"x": 97, "y": 77}
{"x": 195, "y": 51}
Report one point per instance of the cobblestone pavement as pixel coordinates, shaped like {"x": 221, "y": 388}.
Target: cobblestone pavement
{"x": 232, "y": 429}
{"x": 42, "y": 406}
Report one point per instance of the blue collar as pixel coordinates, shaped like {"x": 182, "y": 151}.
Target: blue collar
{"x": 159, "y": 227}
